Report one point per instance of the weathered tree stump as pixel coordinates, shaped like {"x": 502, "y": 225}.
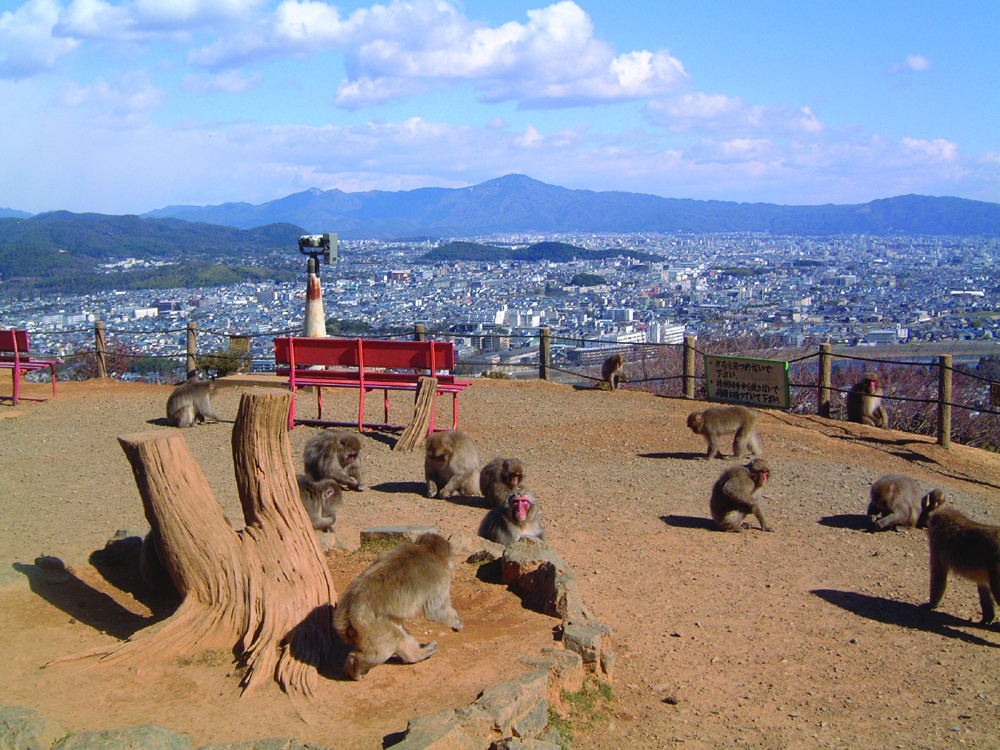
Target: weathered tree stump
{"x": 423, "y": 413}
{"x": 265, "y": 591}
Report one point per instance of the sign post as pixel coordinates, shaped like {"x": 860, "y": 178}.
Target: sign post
{"x": 744, "y": 380}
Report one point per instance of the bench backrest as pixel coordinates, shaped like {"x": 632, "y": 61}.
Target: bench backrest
{"x": 12, "y": 340}
{"x": 400, "y": 355}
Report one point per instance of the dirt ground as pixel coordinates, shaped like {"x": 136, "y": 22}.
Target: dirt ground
{"x": 807, "y": 637}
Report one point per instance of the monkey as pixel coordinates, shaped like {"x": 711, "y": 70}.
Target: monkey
{"x": 864, "y": 402}
{"x": 896, "y": 502}
{"x": 736, "y": 494}
{"x": 154, "y": 573}
{"x": 969, "y": 549}
{"x": 335, "y": 454}
{"x": 190, "y": 403}
{"x": 499, "y": 478}
{"x": 451, "y": 464}
{"x": 403, "y": 581}
{"x": 717, "y": 421}
{"x": 321, "y": 500}
{"x": 517, "y": 517}
{"x": 611, "y": 372}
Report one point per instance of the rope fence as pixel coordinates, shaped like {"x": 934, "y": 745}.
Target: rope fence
{"x": 656, "y": 360}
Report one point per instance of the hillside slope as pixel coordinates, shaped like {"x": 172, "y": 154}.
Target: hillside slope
{"x": 810, "y": 636}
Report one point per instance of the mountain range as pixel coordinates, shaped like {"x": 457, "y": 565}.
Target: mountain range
{"x": 517, "y": 203}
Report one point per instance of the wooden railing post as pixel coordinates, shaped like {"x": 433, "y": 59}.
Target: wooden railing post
{"x": 689, "y": 342}
{"x": 825, "y": 374}
{"x": 100, "y": 350}
{"x": 419, "y": 332}
{"x": 192, "y": 347}
{"x": 944, "y": 401}
{"x": 544, "y": 352}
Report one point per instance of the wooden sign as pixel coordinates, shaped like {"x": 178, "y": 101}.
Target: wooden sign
{"x": 743, "y": 380}
{"x": 239, "y": 344}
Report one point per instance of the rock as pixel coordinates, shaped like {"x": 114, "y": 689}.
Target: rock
{"x": 439, "y": 731}
{"x": 519, "y": 707}
{"x": 513, "y": 743}
{"x": 566, "y": 674}
{"x": 274, "y": 743}
{"x": 52, "y": 569}
{"x": 23, "y": 729}
{"x": 146, "y": 737}
{"x": 395, "y": 533}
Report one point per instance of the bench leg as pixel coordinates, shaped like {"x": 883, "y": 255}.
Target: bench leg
{"x": 291, "y": 411}
{"x": 16, "y": 375}
{"x": 361, "y": 409}
{"x": 385, "y": 395}
{"x": 53, "y": 369}
{"x": 454, "y": 411}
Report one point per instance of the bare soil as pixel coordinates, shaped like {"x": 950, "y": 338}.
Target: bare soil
{"x": 809, "y": 636}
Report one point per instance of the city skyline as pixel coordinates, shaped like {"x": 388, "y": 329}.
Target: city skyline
{"x": 125, "y": 107}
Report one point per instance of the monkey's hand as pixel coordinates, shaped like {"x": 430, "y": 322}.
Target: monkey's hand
{"x": 766, "y": 528}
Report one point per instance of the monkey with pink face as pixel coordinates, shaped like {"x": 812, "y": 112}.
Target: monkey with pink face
{"x": 517, "y": 517}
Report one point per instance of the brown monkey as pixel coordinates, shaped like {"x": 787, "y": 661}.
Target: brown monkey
{"x": 864, "y": 402}
{"x": 612, "y": 373}
{"x": 499, "y": 478}
{"x": 321, "y": 500}
{"x": 410, "y": 578}
{"x": 969, "y": 549}
{"x": 190, "y": 403}
{"x": 335, "y": 454}
{"x": 717, "y": 421}
{"x": 451, "y": 464}
{"x": 736, "y": 495}
{"x": 896, "y": 502}
{"x": 518, "y": 516}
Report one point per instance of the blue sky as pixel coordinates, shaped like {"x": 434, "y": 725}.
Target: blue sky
{"x": 126, "y": 106}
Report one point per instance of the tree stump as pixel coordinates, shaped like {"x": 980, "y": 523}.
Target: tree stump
{"x": 423, "y": 413}
{"x": 265, "y": 591}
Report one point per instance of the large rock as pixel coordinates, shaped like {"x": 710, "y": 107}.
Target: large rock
{"x": 440, "y": 731}
{"x": 519, "y": 707}
{"x": 566, "y": 674}
{"x": 146, "y": 737}
{"x": 24, "y": 729}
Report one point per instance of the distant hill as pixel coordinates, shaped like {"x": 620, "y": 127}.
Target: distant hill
{"x": 10, "y": 213}
{"x": 59, "y": 251}
{"x": 516, "y": 203}
{"x": 557, "y": 252}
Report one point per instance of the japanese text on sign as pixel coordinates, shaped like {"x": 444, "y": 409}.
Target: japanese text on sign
{"x": 756, "y": 382}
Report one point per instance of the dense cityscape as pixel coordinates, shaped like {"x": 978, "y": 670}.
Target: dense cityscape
{"x": 790, "y": 291}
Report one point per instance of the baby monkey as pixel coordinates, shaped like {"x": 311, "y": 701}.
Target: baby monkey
{"x": 519, "y": 516}
{"x": 190, "y": 403}
{"x": 499, "y": 478}
{"x": 736, "y": 495}
{"x": 896, "y": 502}
{"x": 321, "y": 500}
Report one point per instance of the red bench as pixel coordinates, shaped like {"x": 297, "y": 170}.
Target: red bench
{"x": 14, "y": 356}
{"x": 365, "y": 364}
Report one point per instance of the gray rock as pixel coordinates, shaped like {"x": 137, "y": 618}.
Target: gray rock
{"x": 513, "y": 743}
{"x": 566, "y": 674}
{"x": 146, "y": 737}
{"x": 23, "y": 729}
{"x": 439, "y": 731}
{"x": 52, "y": 569}
{"x": 395, "y": 533}
{"x": 519, "y": 707}
{"x": 273, "y": 743}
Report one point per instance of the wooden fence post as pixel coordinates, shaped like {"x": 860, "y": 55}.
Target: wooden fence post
{"x": 100, "y": 350}
{"x": 544, "y": 352}
{"x": 944, "y": 401}
{"x": 192, "y": 347}
{"x": 419, "y": 332}
{"x": 825, "y": 370}
{"x": 689, "y": 342}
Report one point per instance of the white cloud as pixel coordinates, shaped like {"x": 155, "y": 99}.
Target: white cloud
{"x": 913, "y": 64}
{"x": 133, "y": 93}
{"x": 230, "y": 82}
{"x": 938, "y": 150}
{"x": 27, "y": 46}
{"x": 719, "y": 113}
{"x": 149, "y": 19}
